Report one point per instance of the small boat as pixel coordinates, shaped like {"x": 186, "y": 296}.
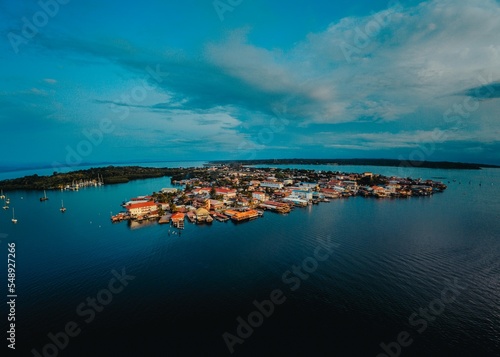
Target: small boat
{"x": 7, "y": 200}
{"x": 62, "y": 209}
{"x": 5, "y": 207}
{"x": 14, "y": 220}
{"x": 44, "y": 198}
{"x": 2, "y": 196}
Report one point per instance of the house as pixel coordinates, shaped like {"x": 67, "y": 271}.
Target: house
{"x": 351, "y": 186}
{"x": 329, "y": 193}
{"x": 216, "y": 204}
{"x": 202, "y": 214}
{"x": 141, "y": 208}
{"x": 201, "y": 191}
{"x": 379, "y": 191}
{"x": 243, "y": 202}
{"x": 177, "y": 217}
{"x": 164, "y": 206}
{"x": 226, "y": 193}
{"x": 260, "y": 196}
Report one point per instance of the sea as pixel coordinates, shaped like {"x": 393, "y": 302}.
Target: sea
{"x": 350, "y": 277}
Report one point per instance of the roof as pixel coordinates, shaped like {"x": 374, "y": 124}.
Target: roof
{"x": 141, "y": 205}
{"x": 224, "y": 190}
{"x": 177, "y": 216}
{"x": 201, "y": 212}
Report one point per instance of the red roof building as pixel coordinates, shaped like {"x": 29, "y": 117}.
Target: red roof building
{"x": 137, "y": 209}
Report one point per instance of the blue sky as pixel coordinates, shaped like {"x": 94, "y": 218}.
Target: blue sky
{"x": 89, "y": 81}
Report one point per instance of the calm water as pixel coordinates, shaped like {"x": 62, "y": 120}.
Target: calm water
{"x": 393, "y": 257}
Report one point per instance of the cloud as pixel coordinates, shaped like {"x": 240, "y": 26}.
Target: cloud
{"x": 50, "y": 80}
{"x": 489, "y": 91}
{"x": 404, "y": 67}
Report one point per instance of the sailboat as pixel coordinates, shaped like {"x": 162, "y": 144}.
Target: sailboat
{"x": 62, "y": 209}
{"x": 44, "y": 198}
{"x": 2, "y": 196}
{"x": 14, "y": 220}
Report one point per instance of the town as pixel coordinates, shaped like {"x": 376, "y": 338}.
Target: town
{"x": 239, "y": 193}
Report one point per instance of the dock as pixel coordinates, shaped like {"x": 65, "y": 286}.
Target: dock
{"x": 220, "y": 217}
{"x": 246, "y": 215}
{"x": 165, "y": 219}
{"x": 279, "y": 207}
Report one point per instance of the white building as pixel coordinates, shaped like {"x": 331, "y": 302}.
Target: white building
{"x": 308, "y": 185}
{"x": 270, "y": 184}
{"x": 303, "y": 194}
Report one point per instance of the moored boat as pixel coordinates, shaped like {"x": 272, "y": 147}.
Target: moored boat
{"x": 62, "y": 209}
{"x": 44, "y": 198}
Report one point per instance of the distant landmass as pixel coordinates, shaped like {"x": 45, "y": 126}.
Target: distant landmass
{"x": 110, "y": 175}
{"x": 363, "y": 162}
{"x": 122, "y": 174}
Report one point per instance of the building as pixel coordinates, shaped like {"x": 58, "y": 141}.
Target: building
{"x": 351, "y": 186}
{"x": 141, "y": 208}
{"x": 270, "y": 184}
{"x": 215, "y": 204}
{"x": 169, "y": 190}
{"x": 303, "y": 194}
{"x": 308, "y": 185}
{"x": 226, "y": 193}
{"x": 260, "y": 196}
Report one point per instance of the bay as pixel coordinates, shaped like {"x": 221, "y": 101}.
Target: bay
{"x": 392, "y": 257}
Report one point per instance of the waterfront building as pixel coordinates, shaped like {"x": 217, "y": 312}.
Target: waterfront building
{"x": 260, "y": 196}
{"x": 303, "y": 194}
{"x": 141, "y": 208}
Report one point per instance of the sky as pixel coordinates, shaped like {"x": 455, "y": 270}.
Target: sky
{"x": 114, "y": 81}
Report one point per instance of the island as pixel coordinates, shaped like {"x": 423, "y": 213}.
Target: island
{"x": 227, "y": 191}
{"x": 241, "y": 193}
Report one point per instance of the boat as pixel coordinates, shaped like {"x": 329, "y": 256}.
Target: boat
{"x": 44, "y": 198}
{"x": 2, "y": 196}
{"x": 14, "y": 220}
{"x": 7, "y": 201}
{"x": 5, "y": 207}
{"x": 62, "y": 209}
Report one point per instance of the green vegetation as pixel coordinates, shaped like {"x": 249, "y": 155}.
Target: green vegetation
{"x": 110, "y": 175}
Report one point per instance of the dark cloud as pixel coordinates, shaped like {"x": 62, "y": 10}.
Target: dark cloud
{"x": 488, "y": 91}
